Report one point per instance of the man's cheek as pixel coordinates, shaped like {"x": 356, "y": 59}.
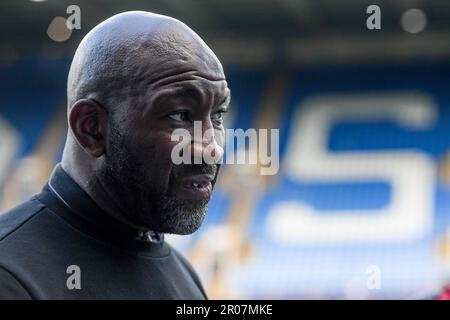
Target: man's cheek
{"x": 165, "y": 164}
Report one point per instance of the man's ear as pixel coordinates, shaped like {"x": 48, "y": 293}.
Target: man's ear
{"x": 88, "y": 122}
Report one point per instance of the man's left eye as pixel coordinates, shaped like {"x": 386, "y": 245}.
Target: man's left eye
{"x": 179, "y": 116}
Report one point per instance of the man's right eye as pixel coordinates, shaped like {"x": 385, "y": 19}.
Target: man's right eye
{"x": 179, "y": 116}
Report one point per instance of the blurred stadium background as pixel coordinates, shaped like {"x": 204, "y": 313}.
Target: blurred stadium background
{"x": 363, "y": 192}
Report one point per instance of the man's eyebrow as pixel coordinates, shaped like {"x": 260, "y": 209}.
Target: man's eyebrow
{"x": 176, "y": 93}
{"x": 167, "y": 95}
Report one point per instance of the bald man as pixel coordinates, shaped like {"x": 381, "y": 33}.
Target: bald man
{"x": 96, "y": 230}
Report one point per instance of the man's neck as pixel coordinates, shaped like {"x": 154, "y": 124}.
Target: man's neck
{"x": 99, "y": 194}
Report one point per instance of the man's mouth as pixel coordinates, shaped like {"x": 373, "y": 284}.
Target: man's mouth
{"x": 196, "y": 187}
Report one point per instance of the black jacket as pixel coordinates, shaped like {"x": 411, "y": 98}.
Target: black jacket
{"x": 61, "y": 245}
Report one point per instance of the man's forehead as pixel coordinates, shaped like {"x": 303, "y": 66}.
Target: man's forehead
{"x": 173, "y": 62}
{"x": 178, "y": 71}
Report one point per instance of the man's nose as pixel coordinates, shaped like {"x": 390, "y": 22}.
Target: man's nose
{"x": 205, "y": 145}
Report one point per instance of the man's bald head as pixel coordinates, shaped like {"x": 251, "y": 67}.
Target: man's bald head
{"x": 135, "y": 78}
{"x": 135, "y": 49}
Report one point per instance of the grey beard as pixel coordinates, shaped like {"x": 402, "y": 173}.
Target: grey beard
{"x": 146, "y": 207}
{"x": 177, "y": 216}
